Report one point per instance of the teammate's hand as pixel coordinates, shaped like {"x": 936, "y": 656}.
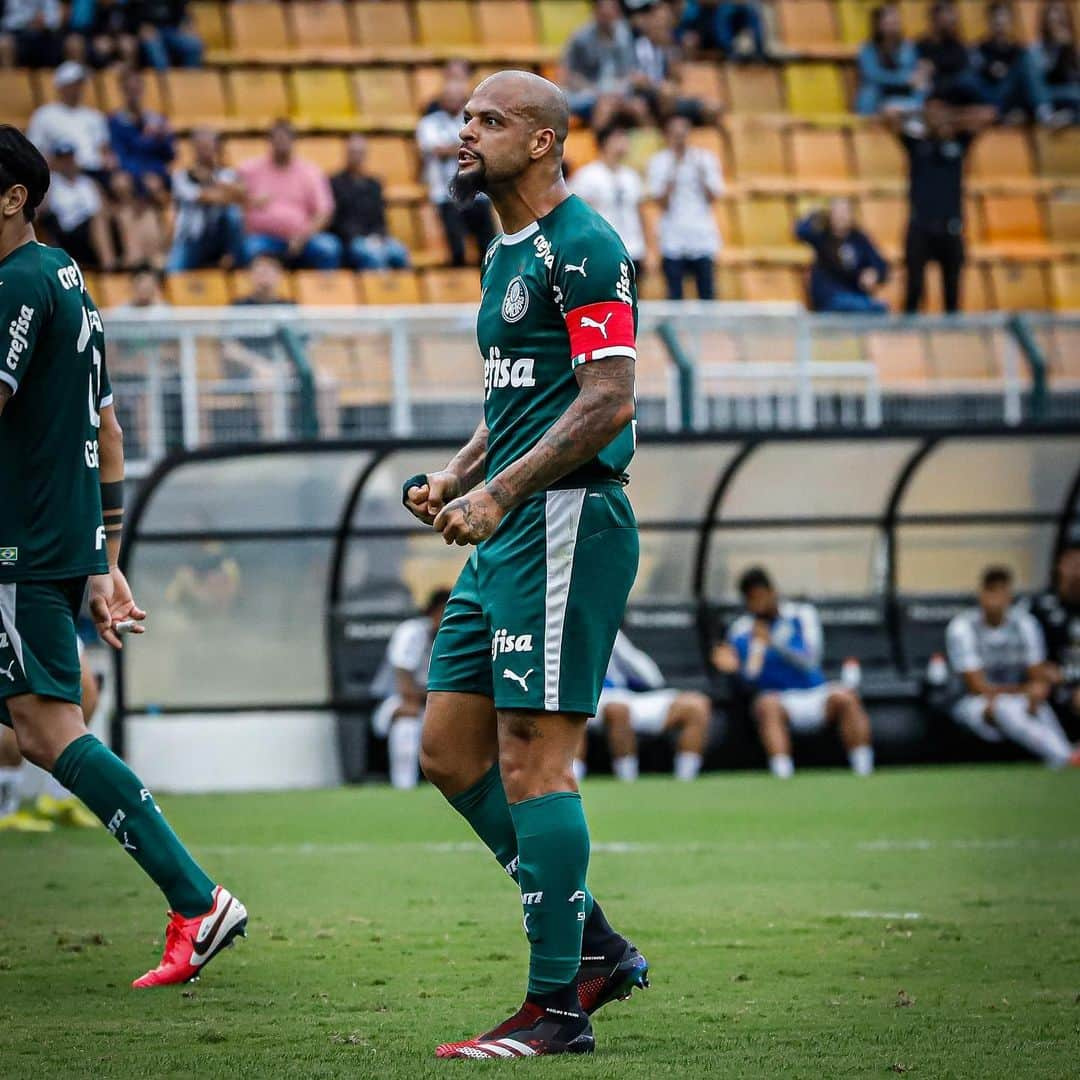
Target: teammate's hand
{"x": 1038, "y": 692}
{"x": 111, "y": 602}
{"x": 470, "y": 519}
{"x": 425, "y": 502}
{"x": 725, "y": 658}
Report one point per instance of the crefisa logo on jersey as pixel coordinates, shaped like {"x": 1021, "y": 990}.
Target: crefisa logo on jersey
{"x": 516, "y": 301}
{"x": 19, "y": 328}
{"x": 503, "y": 371}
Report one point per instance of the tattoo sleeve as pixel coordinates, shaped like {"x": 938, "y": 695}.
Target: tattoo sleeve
{"x": 6, "y": 394}
{"x": 603, "y": 407}
{"x": 468, "y": 463}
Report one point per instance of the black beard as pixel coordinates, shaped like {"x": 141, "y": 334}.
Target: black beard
{"x": 464, "y": 187}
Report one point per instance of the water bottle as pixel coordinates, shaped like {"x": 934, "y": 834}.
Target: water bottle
{"x": 851, "y": 673}
{"x": 937, "y": 670}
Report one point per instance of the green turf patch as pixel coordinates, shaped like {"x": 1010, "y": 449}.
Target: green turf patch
{"x": 921, "y": 922}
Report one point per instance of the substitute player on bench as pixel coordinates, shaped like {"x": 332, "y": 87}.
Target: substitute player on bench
{"x": 519, "y": 659}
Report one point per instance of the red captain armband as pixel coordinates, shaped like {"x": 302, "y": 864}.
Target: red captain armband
{"x": 600, "y": 330}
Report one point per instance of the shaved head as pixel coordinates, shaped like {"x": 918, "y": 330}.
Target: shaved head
{"x": 532, "y": 97}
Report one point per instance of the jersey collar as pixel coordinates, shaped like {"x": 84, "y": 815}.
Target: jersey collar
{"x": 521, "y": 234}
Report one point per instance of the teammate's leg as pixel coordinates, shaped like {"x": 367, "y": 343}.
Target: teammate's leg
{"x": 843, "y": 708}
{"x": 12, "y": 771}
{"x": 622, "y": 742}
{"x": 1041, "y": 734}
{"x": 689, "y": 715}
{"x": 772, "y": 725}
{"x": 403, "y": 750}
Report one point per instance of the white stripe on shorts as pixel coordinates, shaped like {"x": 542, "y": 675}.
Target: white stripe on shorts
{"x": 7, "y": 619}
{"x": 562, "y": 517}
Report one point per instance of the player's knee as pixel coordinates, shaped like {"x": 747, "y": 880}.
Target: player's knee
{"x": 439, "y": 766}
{"x": 696, "y": 706}
{"x": 766, "y": 709}
{"x": 843, "y": 702}
{"x": 616, "y": 715}
{"x": 33, "y": 739}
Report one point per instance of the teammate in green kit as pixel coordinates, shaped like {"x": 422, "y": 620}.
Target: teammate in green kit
{"x": 61, "y": 516}
{"x": 519, "y": 659}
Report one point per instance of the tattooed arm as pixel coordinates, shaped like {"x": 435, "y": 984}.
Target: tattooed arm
{"x": 603, "y": 407}
{"x": 5, "y": 395}
{"x": 464, "y": 471}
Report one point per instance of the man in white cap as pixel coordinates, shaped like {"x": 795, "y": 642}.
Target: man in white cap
{"x": 68, "y": 120}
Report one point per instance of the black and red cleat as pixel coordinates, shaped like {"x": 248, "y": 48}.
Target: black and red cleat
{"x": 611, "y": 976}
{"x": 531, "y": 1032}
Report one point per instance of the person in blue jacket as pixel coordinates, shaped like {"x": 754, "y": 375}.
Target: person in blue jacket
{"x": 890, "y": 75}
{"x": 847, "y": 268}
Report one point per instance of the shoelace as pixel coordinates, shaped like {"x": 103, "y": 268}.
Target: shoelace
{"x": 174, "y": 936}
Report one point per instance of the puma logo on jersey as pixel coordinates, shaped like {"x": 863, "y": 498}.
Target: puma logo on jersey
{"x": 19, "y": 329}
{"x": 503, "y": 371}
{"x": 3, "y": 640}
{"x": 601, "y": 326}
{"x": 7, "y": 671}
{"x": 521, "y": 680}
{"x": 570, "y": 268}
{"x": 502, "y": 642}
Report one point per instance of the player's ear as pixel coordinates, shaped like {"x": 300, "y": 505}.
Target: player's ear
{"x": 13, "y": 200}
{"x": 543, "y": 140}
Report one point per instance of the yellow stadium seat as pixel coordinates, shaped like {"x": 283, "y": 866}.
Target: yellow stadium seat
{"x": 389, "y": 287}
{"x": 806, "y": 25}
{"x": 111, "y": 99}
{"x": 1028, "y": 13}
{"x": 427, "y": 80}
{"x": 702, "y": 80}
{"x": 392, "y": 158}
{"x": 884, "y": 219}
{"x": 321, "y": 97}
{"x": 561, "y": 18}
{"x": 814, "y": 89}
{"x": 240, "y": 285}
{"x": 1065, "y": 285}
{"x": 1019, "y": 286}
{"x": 1012, "y": 219}
{"x": 753, "y": 89}
{"x": 196, "y": 96}
{"x": 430, "y": 235}
{"x": 972, "y": 20}
{"x": 241, "y": 148}
{"x": 507, "y": 28}
{"x": 1002, "y": 154}
{"x": 320, "y": 29}
{"x": 385, "y": 27}
{"x": 580, "y": 148}
{"x": 16, "y": 96}
{"x": 764, "y": 222}
{"x": 853, "y": 17}
{"x": 900, "y": 358}
{"x": 112, "y": 290}
{"x": 1063, "y": 212}
{"x": 445, "y": 26}
{"x": 325, "y": 288}
{"x": 326, "y": 151}
{"x": 914, "y": 17}
{"x": 974, "y": 290}
{"x": 209, "y": 22}
{"x": 401, "y": 224}
{"x": 384, "y": 97}
{"x": 1059, "y": 153}
{"x": 709, "y": 140}
{"x": 451, "y": 286}
{"x": 197, "y": 288}
{"x": 758, "y": 152}
{"x": 878, "y": 155}
{"x": 820, "y": 154}
{"x": 257, "y": 29}
{"x": 764, "y": 283}
{"x": 256, "y": 95}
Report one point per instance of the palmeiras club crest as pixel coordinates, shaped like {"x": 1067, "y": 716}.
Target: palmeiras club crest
{"x": 516, "y": 301}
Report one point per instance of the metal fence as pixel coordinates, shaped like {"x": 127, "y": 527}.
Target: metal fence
{"x": 195, "y": 377}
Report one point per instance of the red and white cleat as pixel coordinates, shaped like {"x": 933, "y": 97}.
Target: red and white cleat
{"x": 1074, "y": 759}
{"x": 190, "y": 944}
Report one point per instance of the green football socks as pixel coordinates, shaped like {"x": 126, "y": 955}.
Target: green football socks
{"x": 553, "y": 859}
{"x": 90, "y": 770}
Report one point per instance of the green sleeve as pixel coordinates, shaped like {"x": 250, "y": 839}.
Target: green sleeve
{"x": 25, "y": 307}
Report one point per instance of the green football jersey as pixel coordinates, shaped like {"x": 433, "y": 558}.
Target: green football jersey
{"x": 52, "y": 355}
{"x": 559, "y": 293}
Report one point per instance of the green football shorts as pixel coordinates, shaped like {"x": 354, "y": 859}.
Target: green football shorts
{"x": 533, "y": 616}
{"x": 39, "y": 653}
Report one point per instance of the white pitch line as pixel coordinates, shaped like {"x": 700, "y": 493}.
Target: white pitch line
{"x": 882, "y": 915}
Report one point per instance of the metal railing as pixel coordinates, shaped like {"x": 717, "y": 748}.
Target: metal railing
{"x": 193, "y": 377}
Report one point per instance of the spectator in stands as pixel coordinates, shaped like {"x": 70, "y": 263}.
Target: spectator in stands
{"x": 401, "y": 684}
{"x": 614, "y": 190}
{"x": 937, "y": 145}
{"x": 289, "y": 206}
{"x": 1003, "y": 68}
{"x": 167, "y": 35}
{"x": 30, "y": 33}
{"x": 720, "y": 25}
{"x": 847, "y": 268}
{"x": 136, "y": 222}
{"x": 635, "y": 700}
{"x": 890, "y": 76}
{"x": 998, "y": 651}
{"x": 437, "y": 136}
{"x": 360, "y": 214}
{"x": 106, "y": 32}
{"x": 1056, "y": 61}
{"x": 686, "y": 180}
{"x": 600, "y": 69}
{"x": 142, "y": 141}
{"x": 209, "y": 229}
{"x": 1058, "y": 613}
{"x": 775, "y": 651}
{"x": 67, "y": 120}
{"x": 255, "y": 357}
{"x": 267, "y": 283}
{"x": 73, "y": 212}
{"x": 146, "y": 294}
{"x": 946, "y": 58}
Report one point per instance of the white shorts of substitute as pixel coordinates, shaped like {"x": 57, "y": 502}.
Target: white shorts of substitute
{"x": 383, "y": 716}
{"x": 806, "y": 708}
{"x": 648, "y": 709}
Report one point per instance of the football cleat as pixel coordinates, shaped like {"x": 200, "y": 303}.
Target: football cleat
{"x": 190, "y": 944}
{"x": 24, "y": 821}
{"x": 531, "y": 1032}
{"x": 68, "y": 811}
{"x": 601, "y": 979}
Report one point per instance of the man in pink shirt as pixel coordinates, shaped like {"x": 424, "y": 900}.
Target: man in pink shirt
{"x": 289, "y": 205}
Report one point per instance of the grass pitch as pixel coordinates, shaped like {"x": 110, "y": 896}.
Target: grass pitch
{"x": 922, "y": 921}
